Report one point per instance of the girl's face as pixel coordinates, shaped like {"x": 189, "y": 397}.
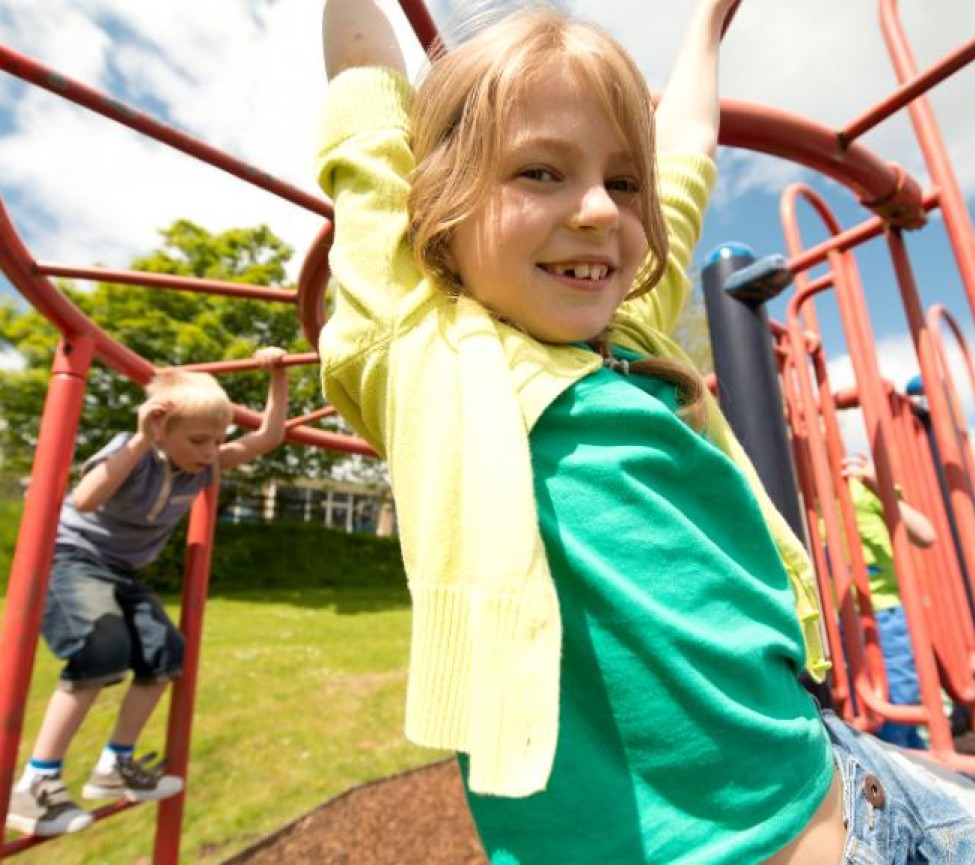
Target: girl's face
{"x": 558, "y": 241}
{"x": 193, "y": 443}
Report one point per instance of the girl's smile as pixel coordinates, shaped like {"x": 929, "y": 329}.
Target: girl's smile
{"x": 556, "y": 245}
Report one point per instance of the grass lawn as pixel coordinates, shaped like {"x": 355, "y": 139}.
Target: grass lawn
{"x": 300, "y": 697}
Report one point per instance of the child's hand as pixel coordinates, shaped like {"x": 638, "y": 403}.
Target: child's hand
{"x": 269, "y": 357}
{"x": 858, "y": 465}
{"x": 152, "y": 416}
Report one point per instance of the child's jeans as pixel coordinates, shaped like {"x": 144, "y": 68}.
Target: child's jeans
{"x": 104, "y": 622}
{"x": 900, "y": 809}
{"x": 902, "y": 681}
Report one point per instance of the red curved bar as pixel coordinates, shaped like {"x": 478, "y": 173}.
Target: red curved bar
{"x": 28, "y": 69}
{"x": 881, "y": 186}
{"x": 958, "y": 221}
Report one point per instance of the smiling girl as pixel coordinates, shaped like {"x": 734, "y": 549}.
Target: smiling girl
{"x": 609, "y": 614}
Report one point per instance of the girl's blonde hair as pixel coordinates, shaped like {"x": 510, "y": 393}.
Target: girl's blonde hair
{"x": 459, "y": 123}
{"x": 196, "y": 395}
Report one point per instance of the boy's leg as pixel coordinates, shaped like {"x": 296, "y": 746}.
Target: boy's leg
{"x": 65, "y": 712}
{"x": 157, "y": 658}
{"x": 83, "y": 626}
{"x": 40, "y": 804}
{"x": 139, "y": 703}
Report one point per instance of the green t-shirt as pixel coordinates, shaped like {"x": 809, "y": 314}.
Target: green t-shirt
{"x": 684, "y": 736}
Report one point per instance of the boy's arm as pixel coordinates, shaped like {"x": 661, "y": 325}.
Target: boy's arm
{"x": 358, "y": 33}
{"x": 99, "y": 484}
{"x": 920, "y": 532}
{"x": 689, "y": 112}
{"x": 271, "y": 431}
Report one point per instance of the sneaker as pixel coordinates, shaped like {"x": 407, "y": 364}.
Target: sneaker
{"x": 46, "y": 808}
{"x": 138, "y": 780}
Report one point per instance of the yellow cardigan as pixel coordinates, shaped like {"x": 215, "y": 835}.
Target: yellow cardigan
{"x": 448, "y": 395}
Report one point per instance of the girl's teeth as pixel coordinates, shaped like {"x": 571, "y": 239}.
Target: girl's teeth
{"x": 581, "y": 271}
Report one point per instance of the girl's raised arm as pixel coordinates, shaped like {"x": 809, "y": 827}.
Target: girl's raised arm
{"x": 358, "y": 33}
{"x": 688, "y": 115}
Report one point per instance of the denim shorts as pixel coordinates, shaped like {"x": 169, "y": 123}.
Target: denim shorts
{"x": 899, "y": 808}
{"x": 103, "y": 623}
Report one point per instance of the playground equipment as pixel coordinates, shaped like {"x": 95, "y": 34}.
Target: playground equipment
{"x": 927, "y": 453}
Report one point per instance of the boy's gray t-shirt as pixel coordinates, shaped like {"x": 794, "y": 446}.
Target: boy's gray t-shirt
{"x": 130, "y": 530}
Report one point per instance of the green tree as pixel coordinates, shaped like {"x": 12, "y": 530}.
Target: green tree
{"x": 692, "y": 333}
{"x": 167, "y": 328}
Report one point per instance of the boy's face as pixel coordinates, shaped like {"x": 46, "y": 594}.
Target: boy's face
{"x": 191, "y": 444}
{"x": 558, "y": 242}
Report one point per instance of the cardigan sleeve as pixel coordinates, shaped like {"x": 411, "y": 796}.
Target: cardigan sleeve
{"x": 685, "y": 182}
{"x": 364, "y": 163}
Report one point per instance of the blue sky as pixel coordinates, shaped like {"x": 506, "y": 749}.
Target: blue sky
{"x": 246, "y": 76}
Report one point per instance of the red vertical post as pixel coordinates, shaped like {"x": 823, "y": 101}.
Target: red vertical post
{"x": 31, "y": 567}
{"x": 196, "y": 584}
{"x": 958, "y": 221}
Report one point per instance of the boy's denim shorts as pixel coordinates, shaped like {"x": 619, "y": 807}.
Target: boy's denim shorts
{"x": 900, "y": 809}
{"x": 103, "y": 623}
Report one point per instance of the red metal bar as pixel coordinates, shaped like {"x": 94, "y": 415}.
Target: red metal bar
{"x": 312, "y": 282}
{"x": 882, "y": 187}
{"x": 199, "y": 551}
{"x": 29, "y": 573}
{"x": 842, "y": 240}
{"x": 167, "y": 280}
{"x": 18, "y": 265}
{"x": 939, "y": 316}
{"x": 729, "y": 18}
{"x": 423, "y": 25}
{"x": 937, "y": 391}
{"x": 28, "y": 69}
{"x": 797, "y": 414}
{"x": 327, "y": 411}
{"x": 953, "y": 447}
{"x": 929, "y": 590}
{"x": 958, "y": 221}
{"x": 908, "y": 92}
{"x": 845, "y": 569}
{"x": 887, "y": 461}
{"x": 244, "y": 364}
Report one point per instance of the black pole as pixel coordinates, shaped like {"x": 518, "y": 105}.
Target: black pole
{"x": 744, "y": 362}
{"x": 736, "y": 289}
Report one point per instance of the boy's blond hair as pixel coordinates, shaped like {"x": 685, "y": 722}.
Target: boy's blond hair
{"x": 195, "y": 395}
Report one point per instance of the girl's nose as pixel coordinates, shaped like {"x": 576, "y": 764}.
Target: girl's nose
{"x": 595, "y": 209}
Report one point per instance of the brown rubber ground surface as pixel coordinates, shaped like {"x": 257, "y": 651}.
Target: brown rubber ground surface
{"x": 417, "y": 818}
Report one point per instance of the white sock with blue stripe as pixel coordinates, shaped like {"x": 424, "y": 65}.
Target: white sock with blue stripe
{"x": 38, "y": 769}
{"x": 109, "y": 758}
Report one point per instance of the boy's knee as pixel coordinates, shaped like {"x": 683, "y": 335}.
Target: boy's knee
{"x": 103, "y": 658}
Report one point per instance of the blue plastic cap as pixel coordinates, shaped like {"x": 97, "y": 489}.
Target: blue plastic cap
{"x": 733, "y": 249}
{"x": 915, "y": 387}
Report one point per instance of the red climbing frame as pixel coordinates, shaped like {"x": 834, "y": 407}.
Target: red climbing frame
{"x": 942, "y": 631}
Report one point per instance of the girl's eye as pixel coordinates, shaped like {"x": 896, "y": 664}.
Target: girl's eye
{"x": 538, "y": 173}
{"x": 628, "y": 185}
